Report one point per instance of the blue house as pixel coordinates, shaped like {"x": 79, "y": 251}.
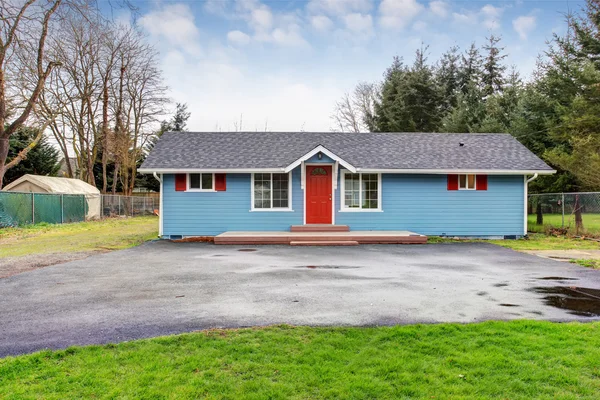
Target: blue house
{"x": 446, "y": 184}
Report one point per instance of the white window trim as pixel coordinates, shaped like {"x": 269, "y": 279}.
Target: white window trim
{"x": 467, "y": 181}
{"x": 286, "y": 209}
{"x": 189, "y": 189}
{"x": 343, "y": 207}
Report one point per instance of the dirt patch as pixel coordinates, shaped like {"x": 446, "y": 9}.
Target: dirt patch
{"x": 10, "y": 266}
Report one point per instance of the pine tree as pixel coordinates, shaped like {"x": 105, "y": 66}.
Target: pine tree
{"x": 469, "y": 72}
{"x": 447, "y": 76}
{"x": 411, "y": 100}
{"x": 492, "y": 77}
{"x": 178, "y": 122}
{"x": 41, "y": 160}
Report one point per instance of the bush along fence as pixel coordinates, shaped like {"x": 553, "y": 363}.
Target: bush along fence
{"x": 576, "y": 213}
{"x": 33, "y": 208}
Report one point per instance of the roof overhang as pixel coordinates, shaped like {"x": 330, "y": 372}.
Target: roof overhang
{"x": 457, "y": 171}
{"x": 208, "y": 170}
{"x": 317, "y": 150}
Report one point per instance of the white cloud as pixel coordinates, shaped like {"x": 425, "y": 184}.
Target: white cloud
{"x": 339, "y": 7}
{"x": 159, "y": 24}
{"x": 288, "y": 37}
{"x": 261, "y": 18}
{"x": 466, "y": 18}
{"x": 523, "y": 25}
{"x": 321, "y": 23}
{"x": 439, "y": 8}
{"x": 238, "y": 38}
{"x": 420, "y": 26}
{"x": 491, "y": 16}
{"x": 396, "y": 14}
{"x": 359, "y": 23}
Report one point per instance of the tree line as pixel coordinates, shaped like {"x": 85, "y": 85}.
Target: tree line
{"x": 556, "y": 113}
{"x": 94, "y": 84}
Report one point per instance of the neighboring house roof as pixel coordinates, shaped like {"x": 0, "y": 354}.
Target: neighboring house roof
{"x": 415, "y": 152}
{"x": 51, "y": 184}
{"x": 63, "y": 166}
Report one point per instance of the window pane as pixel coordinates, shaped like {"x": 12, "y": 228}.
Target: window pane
{"x": 462, "y": 181}
{"x": 280, "y": 190}
{"x": 207, "y": 181}
{"x": 369, "y": 191}
{"x": 262, "y": 190}
{"x": 194, "y": 181}
{"x": 352, "y": 190}
{"x": 471, "y": 180}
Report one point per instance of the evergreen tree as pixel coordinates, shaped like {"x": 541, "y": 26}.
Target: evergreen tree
{"x": 492, "y": 77}
{"x": 178, "y": 122}
{"x": 469, "y": 72}
{"x": 411, "y": 100}
{"x": 41, "y": 160}
{"x": 447, "y": 77}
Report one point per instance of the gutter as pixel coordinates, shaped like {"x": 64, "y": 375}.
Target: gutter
{"x": 532, "y": 178}
{"x": 525, "y": 201}
{"x": 160, "y": 179}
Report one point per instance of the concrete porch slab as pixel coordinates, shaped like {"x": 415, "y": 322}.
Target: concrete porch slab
{"x": 282, "y": 237}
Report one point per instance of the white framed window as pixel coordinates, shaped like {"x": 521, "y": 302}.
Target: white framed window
{"x": 360, "y": 192}
{"x": 271, "y": 192}
{"x": 467, "y": 182}
{"x": 201, "y": 182}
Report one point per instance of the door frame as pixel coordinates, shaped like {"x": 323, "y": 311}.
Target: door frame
{"x": 332, "y": 165}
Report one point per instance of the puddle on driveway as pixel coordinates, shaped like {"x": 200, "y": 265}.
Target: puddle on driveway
{"x": 556, "y": 278}
{"x": 584, "y": 302}
{"x": 327, "y": 267}
{"x": 247, "y": 250}
{"x": 509, "y": 305}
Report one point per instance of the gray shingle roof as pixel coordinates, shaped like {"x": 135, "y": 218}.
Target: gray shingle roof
{"x": 241, "y": 150}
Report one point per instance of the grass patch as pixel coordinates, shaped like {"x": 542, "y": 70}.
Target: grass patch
{"x": 519, "y": 359}
{"x": 591, "y": 222}
{"x": 594, "y": 264}
{"x": 534, "y": 241}
{"x": 538, "y": 241}
{"x": 108, "y": 234}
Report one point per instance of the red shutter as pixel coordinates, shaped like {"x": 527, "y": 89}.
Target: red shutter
{"x": 180, "y": 182}
{"x": 481, "y": 182}
{"x": 220, "y": 182}
{"x": 452, "y": 182}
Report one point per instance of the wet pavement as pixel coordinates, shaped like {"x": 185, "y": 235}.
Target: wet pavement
{"x": 163, "y": 288}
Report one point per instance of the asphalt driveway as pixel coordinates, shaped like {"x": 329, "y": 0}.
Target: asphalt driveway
{"x": 163, "y": 288}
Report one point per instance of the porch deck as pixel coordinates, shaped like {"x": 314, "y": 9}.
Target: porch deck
{"x": 321, "y": 238}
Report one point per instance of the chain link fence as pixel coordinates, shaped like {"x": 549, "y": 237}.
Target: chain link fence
{"x": 32, "y": 208}
{"x": 130, "y": 206}
{"x": 576, "y": 213}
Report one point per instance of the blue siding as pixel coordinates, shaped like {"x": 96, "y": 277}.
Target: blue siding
{"x": 315, "y": 159}
{"x": 419, "y": 203}
{"x": 212, "y": 213}
{"x": 422, "y": 203}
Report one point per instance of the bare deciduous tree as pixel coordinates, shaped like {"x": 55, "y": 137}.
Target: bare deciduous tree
{"x": 24, "y": 30}
{"x": 355, "y": 112}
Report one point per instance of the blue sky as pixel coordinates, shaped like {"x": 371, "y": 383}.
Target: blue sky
{"x": 283, "y": 64}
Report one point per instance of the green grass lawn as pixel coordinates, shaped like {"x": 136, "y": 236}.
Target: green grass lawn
{"x": 108, "y": 234}
{"x": 535, "y": 241}
{"x": 507, "y": 360}
{"x": 591, "y": 222}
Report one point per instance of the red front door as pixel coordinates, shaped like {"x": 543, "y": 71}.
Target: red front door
{"x": 318, "y": 194}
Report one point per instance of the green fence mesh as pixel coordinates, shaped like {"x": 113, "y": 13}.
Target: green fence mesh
{"x": 74, "y": 208}
{"x": 47, "y": 208}
{"x": 34, "y": 208}
{"x": 16, "y": 209}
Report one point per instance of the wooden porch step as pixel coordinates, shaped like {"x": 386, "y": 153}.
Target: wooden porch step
{"x": 323, "y": 243}
{"x": 320, "y": 228}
